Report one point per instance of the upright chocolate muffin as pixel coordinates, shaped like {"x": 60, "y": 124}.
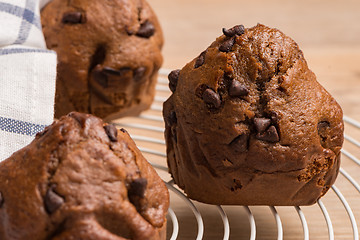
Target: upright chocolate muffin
{"x": 108, "y": 55}
{"x": 248, "y": 123}
{"x": 81, "y": 179}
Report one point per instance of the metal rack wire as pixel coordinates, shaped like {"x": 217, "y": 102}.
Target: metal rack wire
{"x": 154, "y": 124}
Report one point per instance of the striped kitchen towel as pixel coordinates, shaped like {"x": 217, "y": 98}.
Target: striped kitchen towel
{"x": 27, "y": 75}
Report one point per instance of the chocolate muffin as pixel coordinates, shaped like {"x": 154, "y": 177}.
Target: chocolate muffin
{"x": 81, "y": 179}
{"x": 109, "y": 53}
{"x": 247, "y": 123}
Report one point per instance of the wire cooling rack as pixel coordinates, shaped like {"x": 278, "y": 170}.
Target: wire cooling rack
{"x": 335, "y": 216}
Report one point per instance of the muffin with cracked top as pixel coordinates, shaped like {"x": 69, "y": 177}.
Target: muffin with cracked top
{"x": 247, "y": 123}
{"x": 81, "y": 179}
{"x": 109, "y": 53}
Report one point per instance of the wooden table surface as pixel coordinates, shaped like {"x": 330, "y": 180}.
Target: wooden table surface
{"x": 328, "y": 32}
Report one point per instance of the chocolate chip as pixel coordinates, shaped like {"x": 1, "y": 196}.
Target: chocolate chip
{"x": 79, "y": 117}
{"x": 103, "y": 76}
{"x": 52, "y": 200}
{"x": 123, "y": 130}
{"x": 138, "y": 187}
{"x": 323, "y": 132}
{"x": 115, "y": 72}
{"x": 237, "y": 185}
{"x": 270, "y": 135}
{"x": 173, "y": 79}
{"x": 1, "y": 199}
{"x": 171, "y": 119}
{"x": 125, "y": 70}
{"x": 111, "y": 131}
{"x": 200, "y": 60}
{"x": 261, "y": 124}
{"x": 236, "y": 89}
{"x": 236, "y": 30}
{"x": 200, "y": 90}
{"x": 240, "y": 143}
{"x": 212, "y": 98}
{"x": 174, "y": 133}
{"x": 322, "y": 125}
{"x": 100, "y": 77}
{"x": 227, "y": 45}
{"x": 98, "y": 57}
{"x": 73, "y": 18}
{"x": 146, "y": 30}
{"x": 111, "y": 71}
{"x": 139, "y": 73}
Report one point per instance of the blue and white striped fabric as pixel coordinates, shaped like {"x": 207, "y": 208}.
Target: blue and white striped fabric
{"x": 27, "y": 75}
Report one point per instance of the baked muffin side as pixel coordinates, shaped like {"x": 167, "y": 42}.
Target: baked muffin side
{"x": 248, "y": 123}
{"x": 109, "y": 53}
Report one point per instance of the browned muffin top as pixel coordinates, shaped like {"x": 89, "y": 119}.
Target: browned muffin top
{"x": 81, "y": 179}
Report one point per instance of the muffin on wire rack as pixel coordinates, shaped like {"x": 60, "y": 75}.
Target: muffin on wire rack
{"x": 81, "y": 179}
{"x": 247, "y": 123}
{"x": 109, "y": 53}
